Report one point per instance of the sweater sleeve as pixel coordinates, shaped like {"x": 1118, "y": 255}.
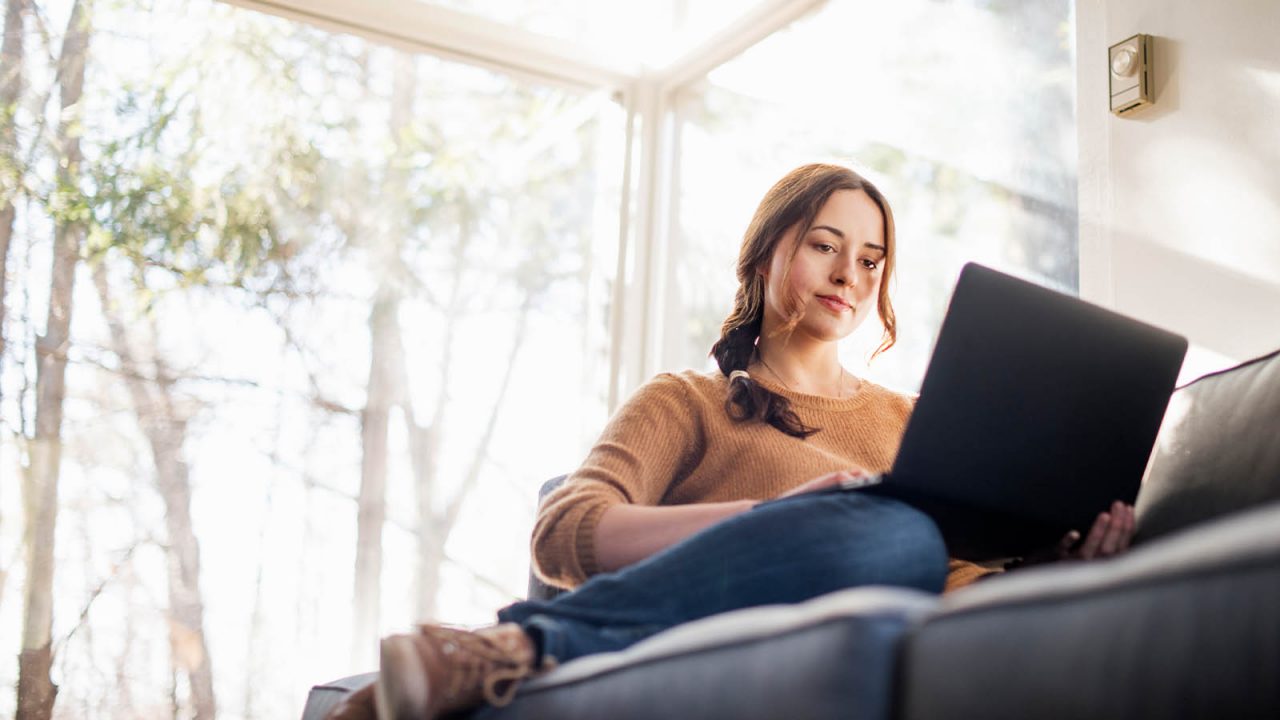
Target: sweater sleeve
{"x": 653, "y": 439}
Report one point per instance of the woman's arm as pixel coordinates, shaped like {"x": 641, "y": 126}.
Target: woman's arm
{"x": 629, "y": 533}
{"x": 653, "y": 439}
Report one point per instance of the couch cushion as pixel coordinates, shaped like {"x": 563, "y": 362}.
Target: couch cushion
{"x": 831, "y": 657}
{"x": 1218, "y": 450}
{"x": 1185, "y": 627}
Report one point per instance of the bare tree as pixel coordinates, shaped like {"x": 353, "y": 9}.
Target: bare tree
{"x": 436, "y": 517}
{"x": 374, "y": 422}
{"x": 164, "y": 423}
{"x": 389, "y": 386}
{"x": 453, "y": 195}
{"x": 385, "y": 352}
{"x": 11, "y": 60}
{"x": 436, "y": 520}
{"x": 11, "y": 77}
{"x": 36, "y": 690}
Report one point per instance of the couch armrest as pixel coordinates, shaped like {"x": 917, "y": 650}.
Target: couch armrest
{"x": 539, "y": 590}
{"x": 829, "y": 658}
{"x": 323, "y": 697}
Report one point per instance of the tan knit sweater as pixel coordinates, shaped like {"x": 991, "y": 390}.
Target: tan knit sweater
{"x": 672, "y": 443}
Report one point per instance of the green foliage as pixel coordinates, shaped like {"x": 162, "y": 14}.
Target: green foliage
{"x": 165, "y": 195}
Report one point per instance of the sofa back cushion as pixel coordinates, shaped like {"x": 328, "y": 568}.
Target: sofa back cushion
{"x": 1188, "y": 627}
{"x": 1218, "y": 450}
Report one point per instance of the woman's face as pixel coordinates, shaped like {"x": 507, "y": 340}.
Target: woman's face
{"x": 835, "y": 274}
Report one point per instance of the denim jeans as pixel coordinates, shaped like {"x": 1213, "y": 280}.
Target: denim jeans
{"x": 782, "y": 551}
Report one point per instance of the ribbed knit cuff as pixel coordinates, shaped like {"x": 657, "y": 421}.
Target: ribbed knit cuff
{"x": 585, "y": 542}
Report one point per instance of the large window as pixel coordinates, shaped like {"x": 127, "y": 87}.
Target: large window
{"x": 961, "y": 112}
{"x": 311, "y": 264}
{"x": 340, "y": 309}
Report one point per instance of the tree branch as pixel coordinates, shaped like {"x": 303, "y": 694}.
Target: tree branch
{"x": 102, "y": 585}
{"x": 482, "y": 449}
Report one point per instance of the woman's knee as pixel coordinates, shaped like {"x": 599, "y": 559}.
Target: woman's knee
{"x": 860, "y": 539}
{"x": 915, "y": 554}
{"x": 849, "y": 514}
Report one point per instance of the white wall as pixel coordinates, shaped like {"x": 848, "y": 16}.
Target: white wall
{"x": 1180, "y": 205}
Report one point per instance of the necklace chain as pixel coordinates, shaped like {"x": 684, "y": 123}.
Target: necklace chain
{"x": 788, "y": 387}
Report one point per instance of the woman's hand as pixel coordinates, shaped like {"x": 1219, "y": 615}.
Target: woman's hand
{"x": 825, "y": 482}
{"x": 1110, "y": 535}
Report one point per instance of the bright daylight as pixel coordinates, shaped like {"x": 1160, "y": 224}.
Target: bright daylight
{"x": 303, "y": 303}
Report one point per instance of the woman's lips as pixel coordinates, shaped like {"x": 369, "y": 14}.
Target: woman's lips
{"x": 834, "y": 304}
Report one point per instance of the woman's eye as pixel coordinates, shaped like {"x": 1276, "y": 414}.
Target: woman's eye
{"x": 869, "y": 264}
{"x": 824, "y": 247}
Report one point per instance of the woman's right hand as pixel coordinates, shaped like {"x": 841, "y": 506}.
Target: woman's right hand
{"x": 826, "y": 482}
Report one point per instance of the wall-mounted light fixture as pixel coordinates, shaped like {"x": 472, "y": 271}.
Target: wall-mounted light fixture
{"x": 1130, "y": 73}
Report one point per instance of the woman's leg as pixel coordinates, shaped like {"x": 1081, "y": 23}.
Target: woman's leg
{"x": 784, "y": 551}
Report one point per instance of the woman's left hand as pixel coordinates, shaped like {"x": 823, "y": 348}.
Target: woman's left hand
{"x": 826, "y": 482}
{"x": 1110, "y": 535}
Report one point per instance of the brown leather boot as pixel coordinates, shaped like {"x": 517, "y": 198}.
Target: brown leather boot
{"x": 439, "y": 669}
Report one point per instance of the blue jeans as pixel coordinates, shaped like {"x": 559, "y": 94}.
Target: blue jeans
{"x": 782, "y": 551}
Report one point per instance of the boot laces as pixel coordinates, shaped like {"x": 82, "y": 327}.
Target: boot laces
{"x": 477, "y": 661}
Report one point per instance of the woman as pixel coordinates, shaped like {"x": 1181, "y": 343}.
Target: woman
{"x": 699, "y": 497}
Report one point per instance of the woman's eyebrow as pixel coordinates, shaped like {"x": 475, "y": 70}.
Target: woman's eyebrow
{"x": 837, "y": 233}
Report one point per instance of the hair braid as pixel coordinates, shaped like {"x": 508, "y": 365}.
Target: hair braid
{"x": 748, "y": 399}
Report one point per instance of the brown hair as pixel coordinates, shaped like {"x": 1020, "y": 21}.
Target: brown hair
{"x": 793, "y": 201}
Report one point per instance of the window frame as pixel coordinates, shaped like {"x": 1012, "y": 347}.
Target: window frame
{"x": 648, "y": 97}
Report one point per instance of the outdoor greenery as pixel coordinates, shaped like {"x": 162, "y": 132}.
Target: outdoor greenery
{"x": 299, "y": 289}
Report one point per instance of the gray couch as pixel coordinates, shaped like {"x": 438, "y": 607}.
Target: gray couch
{"x": 1185, "y": 625}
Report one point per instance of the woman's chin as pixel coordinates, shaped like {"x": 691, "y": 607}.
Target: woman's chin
{"x": 830, "y": 332}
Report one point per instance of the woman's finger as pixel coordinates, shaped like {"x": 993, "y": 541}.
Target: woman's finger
{"x": 1094, "y": 540}
{"x": 1063, "y": 550}
{"x": 1111, "y": 540}
{"x": 1129, "y": 525}
{"x": 1107, "y": 547}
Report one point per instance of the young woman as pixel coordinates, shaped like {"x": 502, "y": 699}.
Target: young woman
{"x": 699, "y": 496}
